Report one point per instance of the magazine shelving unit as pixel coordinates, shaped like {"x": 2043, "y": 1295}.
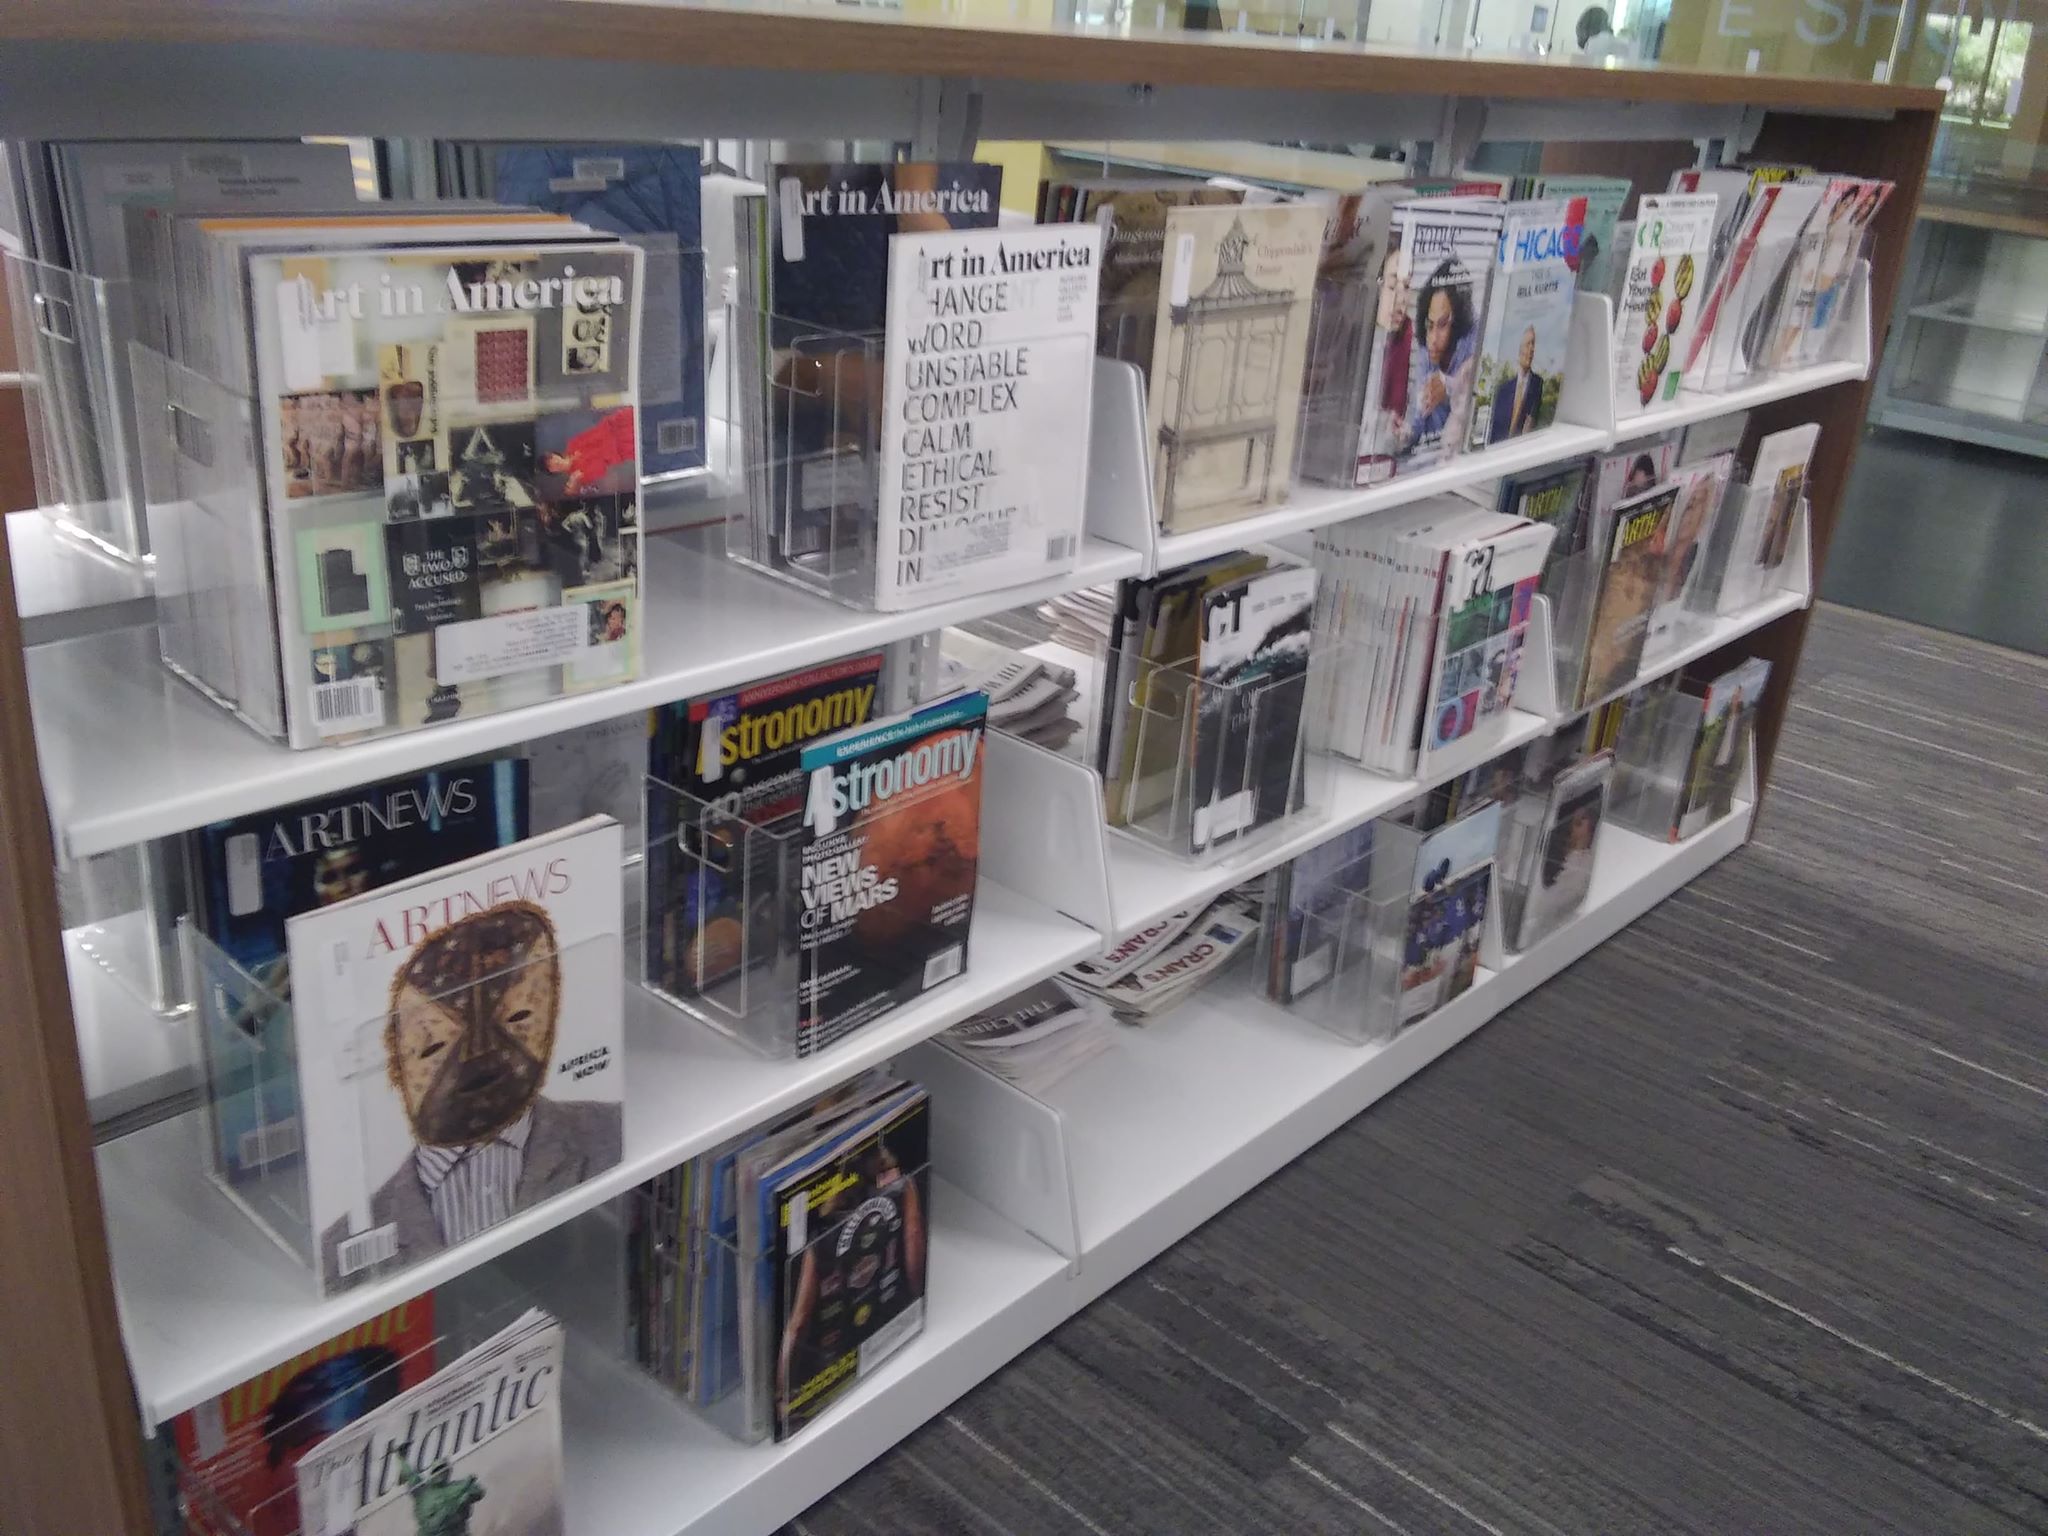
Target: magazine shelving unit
{"x": 141, "y": 1290}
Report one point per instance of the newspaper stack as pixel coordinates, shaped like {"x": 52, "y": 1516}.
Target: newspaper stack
{"x": 1036, "y": 1037}
{"x": 1160, "y": 964}
{"x": 1028, "y": 696}
{"x": 1081, "y": 620}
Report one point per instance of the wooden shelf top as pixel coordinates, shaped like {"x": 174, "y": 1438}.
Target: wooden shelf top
{"x": 823, "y": 39}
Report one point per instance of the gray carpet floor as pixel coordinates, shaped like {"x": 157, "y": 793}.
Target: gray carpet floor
{"x": 1736, "y": 1226}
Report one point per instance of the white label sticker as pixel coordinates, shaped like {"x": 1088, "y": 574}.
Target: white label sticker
{"x": 1183, "y": 260}
{"x": 298, "y": 335}
{"x": 791, "y": 192}
{"x": 576, "y": 183}
{"x": 598, "y": 167}
{"x": 799, "y": 1223}
{"x": 892, "y": 1336}
{"x": 245, "y": 874}
{"x": 477, "y": 649}
{"x": 135, "y": 180}
{"x": 210, "y": 1429}
{"x": 1230, "y": 814}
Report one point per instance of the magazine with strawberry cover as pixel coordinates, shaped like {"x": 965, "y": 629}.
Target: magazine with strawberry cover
{"x": 238, "y": 1453}
{"x": 459, "y": 1041}
{"x": 475, "y": 1448}
{"x": 452, "y": 479}
{"x": 891, "y": 844}
{"x": 724, "y": 765}
{"x": 1657, "y": 314}
{"x": 252, "y": 874}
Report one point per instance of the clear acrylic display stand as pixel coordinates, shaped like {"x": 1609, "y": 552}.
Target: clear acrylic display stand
{"x": 256, "y": 1126}
{"x": 1653, "y": 758}
{"x": 69, "y": 337}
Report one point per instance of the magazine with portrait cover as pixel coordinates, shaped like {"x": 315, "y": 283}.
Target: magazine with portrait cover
{"x": 1253, "y": 672}
{"x": 989, "y": 378}
{"x": 459, "y": 1047}
{"x": 712, "y": 893}
{"x": 1230, "y": 337}
{"x": 1737, "y": 326}
{"x": 452, "y": 478}
{"x": 252, "y": 874}
{"x": 477, "y": 1446}
{"x": 1666, "y": 266}
{"x": 825, "y": 310}
{"x": 1527, "y": 333}
{"x": 238, "y": 1453}
{"x": 650, "y": 195}
{"x": 1631, "y": 576}
{"x": 891, "y": 843}
{"x": 1425, "y": 359}
{"x": 1548, "y": 853}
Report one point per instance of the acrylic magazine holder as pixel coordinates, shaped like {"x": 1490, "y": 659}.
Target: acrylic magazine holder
{"x": 1376, "y": 960}
{"x": 1527, "y": 868}
{"x": 1799, "y": 301}
{"x": 725, "y": 905}
{"x": 1762, "y": 548}
{"x": 1654, "y": 757}
{"x": 120, "y": 912}
{"x": 255, "y": 1066}
{"x": 1333, "y": 383}
{"x": 70, "y": 337}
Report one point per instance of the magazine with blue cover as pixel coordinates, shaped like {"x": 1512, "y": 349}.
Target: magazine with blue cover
{"x": 254, "y": 872}
{"x": 650, "y": 194}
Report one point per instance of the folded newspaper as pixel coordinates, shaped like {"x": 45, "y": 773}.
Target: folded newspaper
{"x": 477, "y": 1445}
{"x": 1036, "y": 1037}
{"x": 1175, "y": 965}
{"x": 1028, "y": 695}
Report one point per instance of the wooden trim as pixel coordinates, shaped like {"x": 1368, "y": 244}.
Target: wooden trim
{"x": 70, "y": 1442}
{"x": 2033, "y": 227}
{"x": 812, "y": 40}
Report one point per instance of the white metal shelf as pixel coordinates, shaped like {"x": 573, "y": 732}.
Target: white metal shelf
{"x": 63, "y": 588}
{"x": 130, "y": 752}
{"x": 207, "y": 1300}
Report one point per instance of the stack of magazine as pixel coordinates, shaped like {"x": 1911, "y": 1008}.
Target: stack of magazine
{"x": 873, "y": 294}
{"x": 484, "y": 1431}
{"x": 770, "y": 1276}
{"x": 1421, "y": 618}
{"x": 447, "y": 445}
{"x": 1029, "y": 696}
{"x": 1199, "y": 737}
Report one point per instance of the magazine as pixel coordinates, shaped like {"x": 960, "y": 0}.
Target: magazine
{"x": 1230, "y": 337}
{"x": 1654, "y": 322}
{"x": 1317, "y": 912}
{"x": 1554, "y": 870}
{"x": 1599, "y": 250}
{"x": 989, "y": 373}
{"x": 1490, "y": 584}
{"x": 1727, "y": 724}
{"x": 459, "y": 1047}
{"x": 1132, "y": 216}
{"x": 1702, "y": 486}
{"x": 1253, "y": 671}
{"x": 1630, "y": 579}
{"x": 891, "y": 842}
{"x": 483, "y": 1434}
{"x": 255, "y": 872}
{"x": 238, "y": 1453}
{"x": 1034, "y": 1038}
{"x": 1447, "y": 899}
{"x": 1528, "y": 320}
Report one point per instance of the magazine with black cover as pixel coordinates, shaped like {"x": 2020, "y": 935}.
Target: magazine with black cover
{"x": 850, "y": 1269}
{"x": 1632, "y": 576}
{"x": 459, "y": 1047}
{"x": 891, "y": 842}
{"x": 253, "y": 873}
{"x": 1253, "y": 677}
{"x": 713, "y": 890}
{"x": 476, "y": 1446}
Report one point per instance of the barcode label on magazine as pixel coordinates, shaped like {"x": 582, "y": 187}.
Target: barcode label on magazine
{"x": 268, "y": 1143}
{"x": 675, "y": 436}
{"x": 349, "y": 705}
{"x": 945, "y": 965}
{"x": 1059, "y": 548}
{"x": 892, "y": 1336}
{"x": 376, "y": 1246}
